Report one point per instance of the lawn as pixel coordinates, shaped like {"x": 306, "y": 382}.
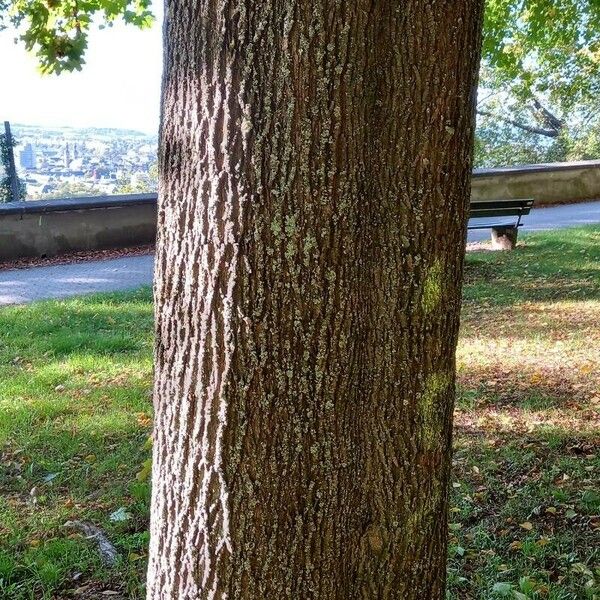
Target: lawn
{"x": 75, "y": 417}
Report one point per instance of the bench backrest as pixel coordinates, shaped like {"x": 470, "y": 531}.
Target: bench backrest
{"x": 500, "y": 208}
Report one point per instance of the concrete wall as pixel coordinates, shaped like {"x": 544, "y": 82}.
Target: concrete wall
{"x": 546, "y": 184}
{"x": 51, "y": 227}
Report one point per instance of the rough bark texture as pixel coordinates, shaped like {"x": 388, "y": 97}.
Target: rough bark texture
{"x": 315, "y": 162}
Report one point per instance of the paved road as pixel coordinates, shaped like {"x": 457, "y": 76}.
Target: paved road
{"x": 19, "y": 286}
{"x": 60, "y": 281}
{"x": 552, "y": 217}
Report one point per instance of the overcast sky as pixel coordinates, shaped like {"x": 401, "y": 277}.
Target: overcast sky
{"x": 119, "y": 85}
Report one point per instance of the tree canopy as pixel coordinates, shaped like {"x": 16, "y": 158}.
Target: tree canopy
{"x": 544, "y": 48}
{"x": 540, "y": 79}
{"x": 57, "y": 30}
{"x": 535, "y": 47}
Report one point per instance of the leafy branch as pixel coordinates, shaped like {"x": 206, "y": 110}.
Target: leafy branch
{"x": 57, "y": 30}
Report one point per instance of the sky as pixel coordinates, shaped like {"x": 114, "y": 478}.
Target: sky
{"x": 119, "y": 86}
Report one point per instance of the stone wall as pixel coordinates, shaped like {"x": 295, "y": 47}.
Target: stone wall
{"x": 548, "y": 184}
{"x": 52, "y": 227}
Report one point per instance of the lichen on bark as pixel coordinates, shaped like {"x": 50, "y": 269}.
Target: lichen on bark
{"x": 433, "y": 287}
{"x": 432, "y": 403}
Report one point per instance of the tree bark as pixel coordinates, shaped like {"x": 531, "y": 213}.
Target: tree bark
{"x": 315, "y": 164}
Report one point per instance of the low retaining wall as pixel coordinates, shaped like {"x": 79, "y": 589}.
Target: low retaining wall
{"x": 553, "y": 183}
{"x": 51, "y": 227}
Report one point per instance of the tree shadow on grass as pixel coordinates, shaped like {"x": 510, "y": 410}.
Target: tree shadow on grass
{"x": 523, "y": 507}
{"x": 562, "y": 265}
{"x": 536, "y": 385}
{"x": 554, "y": 321}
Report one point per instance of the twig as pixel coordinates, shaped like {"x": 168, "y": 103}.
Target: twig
{"x": 107, "y": 551}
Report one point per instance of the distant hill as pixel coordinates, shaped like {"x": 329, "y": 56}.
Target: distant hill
{"x": 67, "y": 131}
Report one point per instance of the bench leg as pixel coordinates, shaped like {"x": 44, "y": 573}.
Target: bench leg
{"x": 504, "y": 238}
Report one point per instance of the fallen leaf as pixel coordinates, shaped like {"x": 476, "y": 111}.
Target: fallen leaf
{"x": 516, "y": 545}
{"x": 133, "y": 556}
{"x": 543, "y": 541}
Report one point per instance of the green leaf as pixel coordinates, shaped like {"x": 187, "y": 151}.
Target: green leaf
{"x": 527, "y": 585}
{"x": 58, "y": 31}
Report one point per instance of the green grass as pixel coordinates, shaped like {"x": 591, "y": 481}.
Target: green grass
{"x": 75, "y": 378}
{"x": 74, "y": 405}
{"x": 562, "y": 264}
{"x": 526, "y": 499}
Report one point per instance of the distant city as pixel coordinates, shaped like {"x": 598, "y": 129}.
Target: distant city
{"x": 57, "y": 162}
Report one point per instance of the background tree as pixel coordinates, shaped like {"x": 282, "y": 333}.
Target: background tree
{"x": 540, "y": 82}
{"x": 511, "y": 131}
{"x": 141, "y": 183}
{"x": 545, "y": 48}
{"x": 6, "y": 193}
{"x": 71, "y": 189}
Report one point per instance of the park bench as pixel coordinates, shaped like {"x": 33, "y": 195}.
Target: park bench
{"x": 503, "y": 217}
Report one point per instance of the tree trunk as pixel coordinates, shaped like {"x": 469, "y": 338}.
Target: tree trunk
{"x": 315, "y": 164}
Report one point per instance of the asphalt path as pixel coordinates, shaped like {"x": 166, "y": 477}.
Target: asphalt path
{"x": 19, "y": 286}
{"x": 551, "y": 217}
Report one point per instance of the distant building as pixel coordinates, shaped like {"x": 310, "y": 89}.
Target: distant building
{"x": 92, "y": 157}
{"x": 27, "y": 157}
